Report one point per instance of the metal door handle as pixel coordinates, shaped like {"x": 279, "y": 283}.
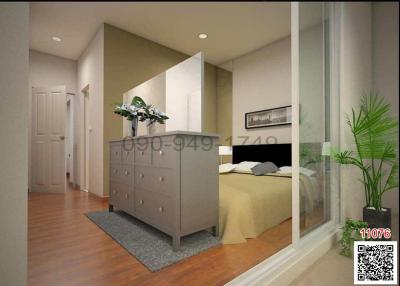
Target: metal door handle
{"x": 141, "y": 175}
{"x": 161, "y": 152}
{"x": 161, "y": 209}
{"x": 141, "y": 202}
{"x": 161, "y": 179}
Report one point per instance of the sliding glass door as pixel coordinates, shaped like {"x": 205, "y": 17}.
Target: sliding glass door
{"x": 318, "y": 120}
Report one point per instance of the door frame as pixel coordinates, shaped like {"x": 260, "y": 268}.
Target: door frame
{"x": 85, "y": 182}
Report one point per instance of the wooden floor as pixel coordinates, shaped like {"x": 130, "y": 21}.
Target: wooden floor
{"x": 66, "y": 248}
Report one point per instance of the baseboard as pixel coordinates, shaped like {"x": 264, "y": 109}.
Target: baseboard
{"x": 104, "y": 199}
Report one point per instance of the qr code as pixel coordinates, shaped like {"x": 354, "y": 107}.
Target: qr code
{"x": 375, "y": 262}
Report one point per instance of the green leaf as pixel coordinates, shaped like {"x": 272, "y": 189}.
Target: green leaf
{"x": 138, "y": 102}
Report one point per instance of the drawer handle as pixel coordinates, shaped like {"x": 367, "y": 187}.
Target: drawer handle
{"x": 126, "y": 196}
{"x": 127, "y": 153}
{"x": 115, "y": 171}
{"x": 161, "y": 179}
{"x": 116, "y": 153}
{"x": 161, "y": 209}
{"x": 126, "y": 173}
{"x": 141, "y": 175}
{"x": 161, "y": 152}
{"x": 141, "y": 202}
{"x": 142, "y": 153}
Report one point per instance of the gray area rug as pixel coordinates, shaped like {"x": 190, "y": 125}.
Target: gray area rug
{"x": 151, "y": 246}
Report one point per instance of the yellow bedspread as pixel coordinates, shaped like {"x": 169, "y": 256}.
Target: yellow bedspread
{"x": 250, "y": 204}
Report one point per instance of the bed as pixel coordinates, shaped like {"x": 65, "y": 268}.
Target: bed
{"x": 250, "y": 205}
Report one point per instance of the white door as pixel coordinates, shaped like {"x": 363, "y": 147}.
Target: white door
{"x": 48, "y": 134}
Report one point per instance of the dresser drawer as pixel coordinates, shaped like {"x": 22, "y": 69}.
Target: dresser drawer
{"x": 115, "y": 152}
{"x": 121, "y": 196}
{"x": 165, "y": 154}
{"x": 159, "y": 180}
{"x": 164, "y": 212}
{"x": 127, "y": 152}
{"x": 115, "y": 172}
{"x": 125, "y": 198}
{"x": 143, "y": 205}
{"x": 114, "y": 193}
{"x": 126, "y": 174}
{"x": 156, "y": 209}
{"x": 142, "y": 152}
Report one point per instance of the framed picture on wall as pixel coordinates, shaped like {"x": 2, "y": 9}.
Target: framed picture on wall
{"x": 269, "y": 117}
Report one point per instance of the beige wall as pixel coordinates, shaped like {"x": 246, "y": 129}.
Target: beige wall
{"x": 224, "y": 106}
{"x": 385, "y": 61}
{"x": 262, "y": 80}
{"x": 47, "y": 70}
{"x": 210, "y": 98}
{"x": 355, "y": 78}
{"x": 14, "y": 47}
{"x": 152, "y": 90}
{"x": 91, "y": 75}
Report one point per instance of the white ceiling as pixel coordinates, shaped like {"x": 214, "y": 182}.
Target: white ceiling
{"x": 233, "y": 28}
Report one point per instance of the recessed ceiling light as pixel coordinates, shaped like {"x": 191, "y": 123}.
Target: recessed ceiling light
{"x": 57, "y": 39}
{"x": 203, "y": 36}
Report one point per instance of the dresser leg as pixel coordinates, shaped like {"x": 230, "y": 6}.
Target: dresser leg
{"x": 176, "y": 243}
{"x": 215, "y": 231}
{"x": 110, "y": 208}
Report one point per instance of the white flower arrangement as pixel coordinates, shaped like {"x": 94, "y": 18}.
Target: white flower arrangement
{"x": 140, "y": 110}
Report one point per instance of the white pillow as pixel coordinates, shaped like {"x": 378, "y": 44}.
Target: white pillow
{"x": 288, "y": 170}
{"x": 226, "y": 168}
{"x": 245, "y": 167}
{"x": 307, "y": 172}
{"x": 285, "y": 170}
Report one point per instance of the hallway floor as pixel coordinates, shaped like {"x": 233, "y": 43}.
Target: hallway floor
{"x": 66, "y": 248}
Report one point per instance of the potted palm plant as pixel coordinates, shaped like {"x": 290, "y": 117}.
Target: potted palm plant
{"x": 375, "y": 135}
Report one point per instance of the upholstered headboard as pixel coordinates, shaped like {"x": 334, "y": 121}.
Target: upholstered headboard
{"x": 280, "y": 154}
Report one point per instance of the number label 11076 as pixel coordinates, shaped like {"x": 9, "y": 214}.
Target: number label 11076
{"x": 376, "y": 233}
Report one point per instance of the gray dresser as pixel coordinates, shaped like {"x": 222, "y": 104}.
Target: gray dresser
{"x": 168, "y": 180}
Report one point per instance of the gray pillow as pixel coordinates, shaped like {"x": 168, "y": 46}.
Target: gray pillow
{"x": 264, "y": 168}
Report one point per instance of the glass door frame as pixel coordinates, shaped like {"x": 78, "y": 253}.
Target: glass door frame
{"x": 330, "y": 12}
